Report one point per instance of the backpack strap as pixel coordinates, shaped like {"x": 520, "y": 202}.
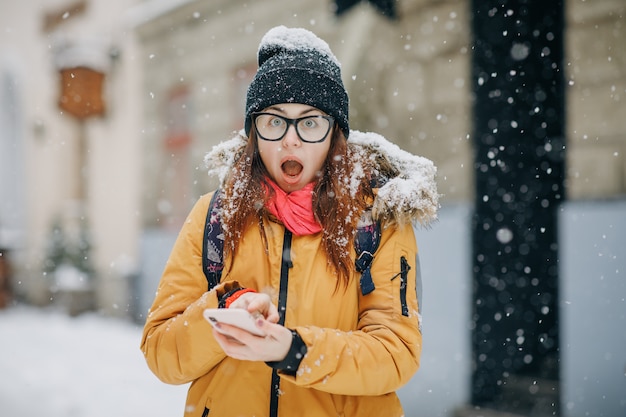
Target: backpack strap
{"x": 213, "y": 242}
{"x": 366, "y": 243}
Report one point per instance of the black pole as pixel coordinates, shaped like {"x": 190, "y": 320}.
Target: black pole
{"x": 519, "y": 158}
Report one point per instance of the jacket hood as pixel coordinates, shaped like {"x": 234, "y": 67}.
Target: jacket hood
{"x": 406, "y": 187}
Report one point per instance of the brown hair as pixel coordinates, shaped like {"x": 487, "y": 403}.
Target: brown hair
{"x": 336, "y": 208}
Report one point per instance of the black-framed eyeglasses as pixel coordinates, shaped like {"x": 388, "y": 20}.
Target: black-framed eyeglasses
{"x": 310, "y": 129}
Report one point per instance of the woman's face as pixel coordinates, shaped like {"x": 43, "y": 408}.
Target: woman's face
{"x": 291, "y": 162}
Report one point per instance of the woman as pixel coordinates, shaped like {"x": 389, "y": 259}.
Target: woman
{"x": 294, "y": 191}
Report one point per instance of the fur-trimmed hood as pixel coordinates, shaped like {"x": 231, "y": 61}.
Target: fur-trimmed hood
{"x": 407, "y": 191}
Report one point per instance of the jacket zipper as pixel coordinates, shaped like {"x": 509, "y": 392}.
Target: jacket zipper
{"x": 404, "y": 277}
{"x": 286, "y": 264}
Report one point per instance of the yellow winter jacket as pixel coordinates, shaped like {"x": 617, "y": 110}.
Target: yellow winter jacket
{"x": 360, "y": 348}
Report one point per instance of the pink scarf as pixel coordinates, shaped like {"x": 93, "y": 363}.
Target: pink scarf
{"x": 294, "y": 210}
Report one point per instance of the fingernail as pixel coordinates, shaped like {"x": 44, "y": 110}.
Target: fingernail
{"x": 259, "y": 322}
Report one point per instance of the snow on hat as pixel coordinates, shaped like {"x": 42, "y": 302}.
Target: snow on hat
{"x": 295, "y": 66}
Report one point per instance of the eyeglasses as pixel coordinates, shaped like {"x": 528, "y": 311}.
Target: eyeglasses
{"x": 310, "y": 129}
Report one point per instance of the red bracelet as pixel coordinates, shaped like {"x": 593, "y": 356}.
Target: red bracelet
{"x": 236, "y": 295}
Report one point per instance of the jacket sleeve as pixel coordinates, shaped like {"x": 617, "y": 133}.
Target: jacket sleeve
{"x": 384, "y": 352}
{"x": 177, "y": 341}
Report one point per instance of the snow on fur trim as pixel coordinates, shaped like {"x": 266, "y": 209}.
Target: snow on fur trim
{"x": 407, "y": 190}
{"x": 222, "y": 157}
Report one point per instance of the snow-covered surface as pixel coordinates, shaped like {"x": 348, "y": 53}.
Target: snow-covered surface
{"x": 89, "y": 51}
{"x": 296, "y": 39}
{"x": 413, "y": 190}
{"x": 54, "y": 365}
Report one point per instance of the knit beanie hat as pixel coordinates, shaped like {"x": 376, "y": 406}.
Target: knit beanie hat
{"x": 295, "y": 66}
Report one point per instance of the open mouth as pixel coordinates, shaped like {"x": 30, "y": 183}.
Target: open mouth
{"x": 291, "y": 168}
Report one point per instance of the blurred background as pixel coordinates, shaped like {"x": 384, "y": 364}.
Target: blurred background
{"x": 107, "y": 109}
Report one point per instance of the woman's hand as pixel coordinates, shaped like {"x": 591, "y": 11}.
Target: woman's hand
{"x": 240, "y": 344}
{"x": 257, "y": 303}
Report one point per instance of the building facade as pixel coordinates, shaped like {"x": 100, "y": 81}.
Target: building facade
{"x": 113, "y": 188}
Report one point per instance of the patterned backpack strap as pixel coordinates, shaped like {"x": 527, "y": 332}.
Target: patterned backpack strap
{"x": 213, "y": 242}
{"x": 366, "y": 243}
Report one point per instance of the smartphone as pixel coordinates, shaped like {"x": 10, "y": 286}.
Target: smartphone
{"x": 234, "y": 316}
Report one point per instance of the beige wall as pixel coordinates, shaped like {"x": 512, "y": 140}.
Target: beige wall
{"x": 412, "y": 85}
{"x": 596, "y": 99}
